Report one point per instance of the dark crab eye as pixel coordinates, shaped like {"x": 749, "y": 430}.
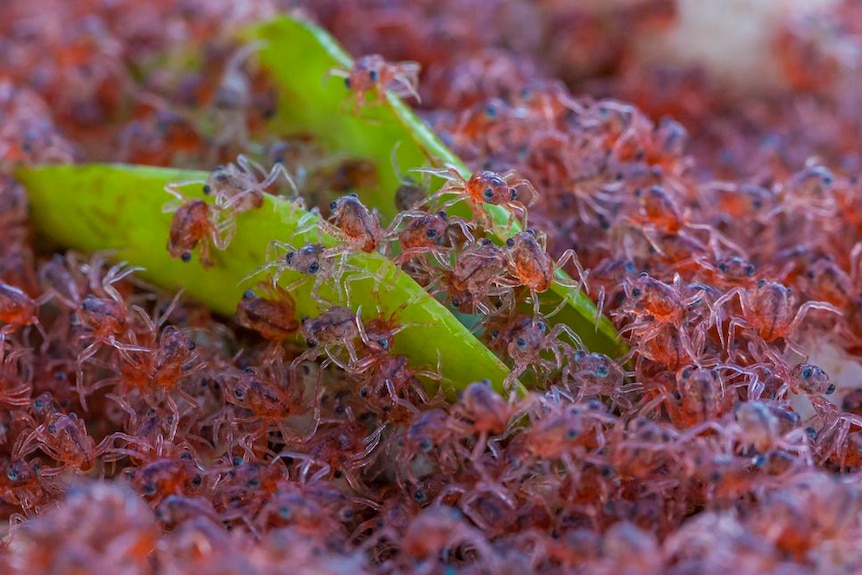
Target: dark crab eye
{"x": 510, "y": 243}
{"x": 314, "y": 267}
{"x": 602, "y": 371}
{"x": 513, "y": 194}
{"x": 374, "y": 75}
{"x": 333, "y": 205}
{"x": 521, "y": 343}
{"x": 288, "y": 257}
{"x": 347, "y": 83}
{"x": 431, "y": 233}
{"x": 488, "y": 194}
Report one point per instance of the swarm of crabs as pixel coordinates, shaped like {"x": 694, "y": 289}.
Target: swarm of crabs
{"x": 141, "y": 434}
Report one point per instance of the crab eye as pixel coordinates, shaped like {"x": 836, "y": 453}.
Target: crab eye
{"x": 186, "y": 257}
{"x": 383, "y": 342}
{"x": 248, "y": 294}
{"x": 288, "y": 257}
{"x": 495, "y": 334}
{"x": 513, "y": 194}
{"x": 572, "y": 433}
{"x": 602, "y": 371}
{"x": 374, "y": 75}
{"x": 207, "y": 189}
{"x": 239, "y": 393}
{"x": 510, "y": 243}
{"x": 431, "y": 233}
{"x": 12, "y": 475}
{"x": 636, "y": 292}
{"x": 426, "y": 445}
{"x": 521, "y": 343}
{"x": 488, "y": 194}
{"x": 807, "y": 373}
{"x": 347, "y": 83}
{"x": 491, "y": 112}
{"x": 313, "y": 268}
{"x": 333, "y": 205}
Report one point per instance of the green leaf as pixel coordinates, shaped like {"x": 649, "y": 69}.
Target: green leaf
{"x": 117, "y": 207}
{"x": 299, "y": 55}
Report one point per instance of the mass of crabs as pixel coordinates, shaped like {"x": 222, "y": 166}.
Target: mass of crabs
{"x": 140, "y": 433}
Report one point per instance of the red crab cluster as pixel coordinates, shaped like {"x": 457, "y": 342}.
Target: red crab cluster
{"x": 140, "y": 434}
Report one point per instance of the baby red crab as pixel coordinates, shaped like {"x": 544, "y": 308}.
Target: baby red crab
{"x": 358, "y": 226}
{"x": 483, "y": 411}
{"x": 768, "y": 310}
{"x": 64, "y": 438}
{"x": 158, "y": 371}
{"x": 268, "y": 398}
{"x": 474, "y": 275}
{"x": 485, "y": 187}
{"x": 428, "y": 234}
{"x": 530, "y": 337}
{"x": 532, "y": 267}
{"x": 273, "y": 317}
{"x": 105, "y": 321}
{"x": 194, "y": 223}
{"x": 17, "y": 309}
{"x": 337, "y": 326}
{"x": 313, "y": 260}
{"x": 236, "y": 187}
{"x": 655, "y": 304}
{"x": 372, "y": 73}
